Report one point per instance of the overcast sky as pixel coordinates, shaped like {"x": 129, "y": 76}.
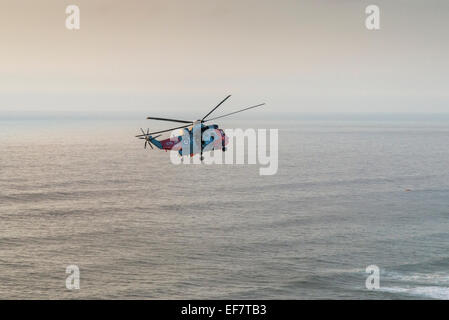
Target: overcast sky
{"x": 159, "y": 56}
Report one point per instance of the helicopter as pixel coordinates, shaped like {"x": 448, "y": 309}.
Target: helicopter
{"x": 211, "y": 137}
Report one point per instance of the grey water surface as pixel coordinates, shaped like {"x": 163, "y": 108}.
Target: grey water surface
{"x": 347, "y": 194}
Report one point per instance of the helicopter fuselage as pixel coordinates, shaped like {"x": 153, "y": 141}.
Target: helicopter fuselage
{"x": 211, "y": 137}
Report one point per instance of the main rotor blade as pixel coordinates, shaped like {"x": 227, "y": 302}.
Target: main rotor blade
{"x": 151, "y": 133}
{"x": 144, "y": 136}
{"x": 171, "y": 120}
{"x": 215, "y": 107}
{"x": 235, "y": 112}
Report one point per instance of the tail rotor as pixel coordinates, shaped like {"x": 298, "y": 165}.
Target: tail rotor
{"x": 147, "y": 137}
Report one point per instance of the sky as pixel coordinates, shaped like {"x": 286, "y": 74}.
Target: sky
{"x": 157, "y": 57}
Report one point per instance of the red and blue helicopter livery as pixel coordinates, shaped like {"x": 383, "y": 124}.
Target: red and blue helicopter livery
{"x": 210, "y": 137}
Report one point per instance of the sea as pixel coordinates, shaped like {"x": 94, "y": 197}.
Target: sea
{"x": 348, "y": 193}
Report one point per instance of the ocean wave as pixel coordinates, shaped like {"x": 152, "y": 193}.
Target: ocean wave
{"x": 431, "y": 285}
{"x": 427, "y": 278}
{"x": 433, "y": 292}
